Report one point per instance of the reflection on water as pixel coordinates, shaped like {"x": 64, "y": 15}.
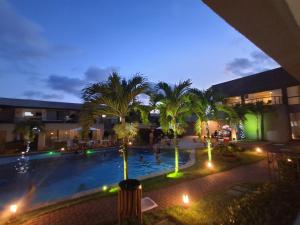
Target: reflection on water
{"x": 22, "y": 165}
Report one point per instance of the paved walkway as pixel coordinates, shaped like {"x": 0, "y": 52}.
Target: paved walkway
{"x": 102, "y": 210}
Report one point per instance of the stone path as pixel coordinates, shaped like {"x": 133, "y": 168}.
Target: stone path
{"x": 102, "y": 210}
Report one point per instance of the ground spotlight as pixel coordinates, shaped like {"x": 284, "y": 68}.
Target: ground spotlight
{"x": 185, "y": 199}
{"x": 258, "y": 150}
{"x": 13, "y": 208}
{"x": 209, "y": 165}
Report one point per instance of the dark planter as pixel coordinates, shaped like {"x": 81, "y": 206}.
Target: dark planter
{"x": 129, "y": 201}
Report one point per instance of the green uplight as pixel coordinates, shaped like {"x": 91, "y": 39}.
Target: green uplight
{"x": 51, "y": 153}
{"x": 175, "y": 175}
{"x": 251, "y": 126}
{"x": 89, "y": 152}
{"x": 104, "y": 188}
{"x": 209, "y": 150}
{"x": 113, "y": 190}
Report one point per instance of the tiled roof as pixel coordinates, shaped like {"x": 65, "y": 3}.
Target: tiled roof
{"x": 28, "y": 103}
{"x": 264, "y": 81}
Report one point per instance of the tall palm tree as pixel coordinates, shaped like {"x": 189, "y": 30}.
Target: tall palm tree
{"x": 28, "y": 129}
{"x": 205, "y": 106}
{"x": 173, "y": 105}
{"x": 241, "y": 111}
{"x": 236, "y": 114}
{"x": 115, "y": 97}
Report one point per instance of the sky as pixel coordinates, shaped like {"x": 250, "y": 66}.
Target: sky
{"x": 51, "y": 49}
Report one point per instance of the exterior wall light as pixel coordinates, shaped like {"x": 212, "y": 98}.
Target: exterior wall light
{"x": 289, "y": 160}
{"x": 258, "y": 150}
{"x": 129, "y": 143}
{"x": 62, "y": 149}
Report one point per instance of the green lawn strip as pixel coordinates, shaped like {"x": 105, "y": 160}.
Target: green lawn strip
{"x": 209, "y": 210}
{"x": 197, "y": 170}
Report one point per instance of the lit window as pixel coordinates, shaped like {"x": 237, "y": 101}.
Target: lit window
{"x": 28, "y": 114}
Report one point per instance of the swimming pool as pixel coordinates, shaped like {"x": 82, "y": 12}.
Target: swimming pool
{"x": 56, "y": 176}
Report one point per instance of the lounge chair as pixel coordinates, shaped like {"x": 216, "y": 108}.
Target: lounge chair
{"x": 148, "y": 204}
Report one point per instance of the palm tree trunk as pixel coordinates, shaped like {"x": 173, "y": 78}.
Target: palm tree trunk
{"x": 176, "y": 154}
{"x": 208, "y": 141}
{"x": 125, "y": 153}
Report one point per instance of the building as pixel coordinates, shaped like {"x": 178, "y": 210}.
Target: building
{"x": 276, "y": 88}
{"x": 61, "y": 121}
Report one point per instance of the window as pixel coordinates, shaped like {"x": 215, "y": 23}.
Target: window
{"x": 295, "y": 121}
{"x": 271, "y": 97}
{"x": 293, "y": 94}
{"x": 233, "y": 100}
{"x": 28, "y": 114}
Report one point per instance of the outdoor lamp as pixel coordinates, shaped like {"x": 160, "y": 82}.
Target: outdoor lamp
{"x": 185, "y": 199}
{"x": 13, "y": 208}
{"x": 258, "y": 149}
{"x": 104, "y": 188}
{"x": 209, "y": 164}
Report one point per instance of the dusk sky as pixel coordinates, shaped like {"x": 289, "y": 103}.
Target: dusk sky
{"x": 51, "y": 49}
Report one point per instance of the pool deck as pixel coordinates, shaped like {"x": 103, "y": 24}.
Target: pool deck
{"x": 103, "y": 210}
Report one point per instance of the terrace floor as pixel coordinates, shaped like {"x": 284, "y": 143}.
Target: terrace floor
{"x": 104, "y": 210}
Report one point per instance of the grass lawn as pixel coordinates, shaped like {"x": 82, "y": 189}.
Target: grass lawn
{"x": 197, "y": 170}
{"x": 209, "y": 210}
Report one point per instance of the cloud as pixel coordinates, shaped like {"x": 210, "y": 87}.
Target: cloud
{"x": 20, "y": 38}
{"x": 41, "y": 95}
{"x": 74, "y": 86}
{"x": 94, "y": 73}
{"x": 65, "y": 84}
{"x": 22, "y": 43}
{"x": 255, "y": 63}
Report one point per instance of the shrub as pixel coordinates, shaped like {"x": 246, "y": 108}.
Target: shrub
{"x": 228, "y": 148}
{"x": 271, "y": 204}
{"x": 288, "y": 171}
{"x": 236, "y": 148}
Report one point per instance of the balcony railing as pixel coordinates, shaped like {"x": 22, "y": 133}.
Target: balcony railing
{"x": 271, "y": 100}
{"x": 47, "y": 120}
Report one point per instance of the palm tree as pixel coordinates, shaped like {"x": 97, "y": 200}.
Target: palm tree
{"x": 205, "y": 106}
{"x": 28, "y": 129}
{"x": 173, "y": 106}
{"x": 236, "y": 114}
{"x": 115, "y": 97}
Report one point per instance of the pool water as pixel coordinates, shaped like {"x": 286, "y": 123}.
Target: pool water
{"x": 54, "y": 176}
